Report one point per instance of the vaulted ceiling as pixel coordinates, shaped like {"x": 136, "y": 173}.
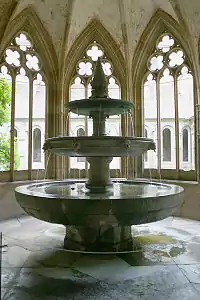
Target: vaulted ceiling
{"x": 124, "y": 19}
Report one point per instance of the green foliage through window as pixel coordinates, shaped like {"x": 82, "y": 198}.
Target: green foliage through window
{"x": 5, "y": 112}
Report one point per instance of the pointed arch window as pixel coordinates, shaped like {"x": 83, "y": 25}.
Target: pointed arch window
{"x": 80, "y": 132}
{"x": 166, "y": 139}
{"x": 22, "y": 69}
{"x": 185, "y": 145}
{"x": 80, "y": 88}
{"x": 37, "y": 146}
{"x": 168, "y": 101}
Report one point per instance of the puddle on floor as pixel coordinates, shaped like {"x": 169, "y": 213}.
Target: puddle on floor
{"x": 175, "y": 251}
{"x": 154, "y": 239}
{"x": 155, "y": 249}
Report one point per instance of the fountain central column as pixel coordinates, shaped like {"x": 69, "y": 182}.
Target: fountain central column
{"x": 99, "y": 172}
{"x": 100, "y": 232}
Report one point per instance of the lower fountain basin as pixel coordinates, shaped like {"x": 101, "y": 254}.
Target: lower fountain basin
{"x": 90, "y": 146}
{"x": 126, "y": 203}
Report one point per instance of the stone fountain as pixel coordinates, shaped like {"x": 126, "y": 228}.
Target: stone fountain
{"x": 98, "y": 212}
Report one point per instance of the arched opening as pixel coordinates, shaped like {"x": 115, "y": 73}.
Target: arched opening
{"x": 80, "y": 88}
{"x": 185, "y": 145}
{"x": 37, "y": 145}
{"x": 168, "y": 101}
{"x": 166, "y": 138}
{"x": 80, "y": 132}
{"x": 22, "y": 70}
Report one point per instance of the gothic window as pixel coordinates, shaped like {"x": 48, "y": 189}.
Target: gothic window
{"x": 23, "y": 72}
{"x": 80, "y": 88}
{"x": 168, "y": 100}
{"x": 80, "y": 132}
{"x": 185, "y": 145}
{"x": 166, "y": 138}
{"x": 37, "y": 145}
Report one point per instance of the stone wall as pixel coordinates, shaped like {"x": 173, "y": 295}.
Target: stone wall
{"x": 8, "y": 206}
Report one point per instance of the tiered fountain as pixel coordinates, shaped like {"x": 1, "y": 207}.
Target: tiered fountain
{"x": 98, "y": 213}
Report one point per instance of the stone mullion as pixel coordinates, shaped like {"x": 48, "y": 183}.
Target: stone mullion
{"x": 12, "y": 133}
{"x": 30, "y": 127}
{"x": 86, "y": 125}
{"x": 123, "y": 124}
{"x": 176, "y": 124}
{"x": 57, "y": 157}
{"x": 197, "y": 138}
{"x": 194, "y": 139}
{"x": 158, "y": 123}
{"x": 62, "y": 163}
{"x": 131, "y": 162}
{"x": 66, "y": 159}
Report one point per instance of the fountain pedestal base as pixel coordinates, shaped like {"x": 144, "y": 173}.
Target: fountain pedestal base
{"x": 106, "y": 238}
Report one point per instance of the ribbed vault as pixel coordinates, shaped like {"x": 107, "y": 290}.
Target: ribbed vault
{"x": 125, "y": 20}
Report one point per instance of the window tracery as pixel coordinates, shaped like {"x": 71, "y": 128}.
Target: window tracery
{"x": 80, "y": 88}
{"x": 22, "y": 69}
{"x": 168, "y": 101}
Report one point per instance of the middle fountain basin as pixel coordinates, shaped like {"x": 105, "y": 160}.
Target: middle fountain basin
{"x": 91, "y": 146}
{"x": 127, "y": 203}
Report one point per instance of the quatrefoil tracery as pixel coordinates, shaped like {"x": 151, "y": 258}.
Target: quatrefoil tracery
{"x": 167, "y": 54}
{"x": 20, "y": 55}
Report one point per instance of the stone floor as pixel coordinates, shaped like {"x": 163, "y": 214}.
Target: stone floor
{"x": 34, "y": 265}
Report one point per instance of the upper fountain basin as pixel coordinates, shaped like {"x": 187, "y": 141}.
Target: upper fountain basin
{"x": 107, "y": 106}
{"x": 88, "y": 146}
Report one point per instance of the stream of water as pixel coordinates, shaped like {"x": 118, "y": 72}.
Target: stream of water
{"x": 45, "y": 173}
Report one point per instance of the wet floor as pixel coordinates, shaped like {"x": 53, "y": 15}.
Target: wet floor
{"x": 166, "y": 264}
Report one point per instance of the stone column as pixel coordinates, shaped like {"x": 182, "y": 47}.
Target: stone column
{"x": 99, "y": 173}
{"x": 110, "y": 238}
{"x": 99, "y": 124}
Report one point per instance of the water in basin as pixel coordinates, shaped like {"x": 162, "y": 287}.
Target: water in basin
{"x": 121, "y": 189}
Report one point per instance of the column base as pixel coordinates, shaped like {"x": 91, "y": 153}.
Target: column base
{"x": 99, "y": 188}
{"x": 98, "y": 239}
